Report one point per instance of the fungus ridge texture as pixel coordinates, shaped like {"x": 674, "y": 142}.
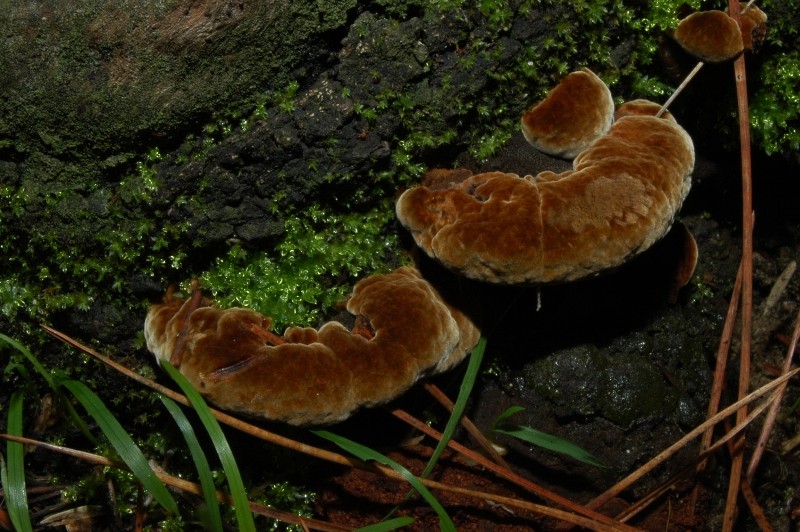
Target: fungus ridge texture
{"x": 315, "y": 377}
{"x": 619, "y": 199}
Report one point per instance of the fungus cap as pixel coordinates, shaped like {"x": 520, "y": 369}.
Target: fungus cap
{"x": 754, "y": 26}
{"x": 572, "y": 116}
{"x": 619, "y": 199}
{"x": 711, "y": 36}
{"x": 316, "y": 377}
{"x": 641, "y": 107}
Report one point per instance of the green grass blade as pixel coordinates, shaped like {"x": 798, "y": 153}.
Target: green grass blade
{"x": 244, "y": 516}
{"x": 13, "y": 475}
{"x": 32, "y": 359}
{"x": 365, "y": 453}
{"x": 213, "y": 516}
{"x": 48, "y": 377}
{"x": 464, "y": 392}
{"x": 550, "y": 442}
{"x": 505, "y": 414}
{"x": 390, "y": 524}
{"x": 122, "y": 443}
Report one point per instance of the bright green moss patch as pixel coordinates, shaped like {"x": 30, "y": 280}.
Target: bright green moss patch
{"x": 775, "y": 113}
{"x": 311, "y": 270}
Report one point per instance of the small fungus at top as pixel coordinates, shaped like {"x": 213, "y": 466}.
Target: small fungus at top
{"x": 711, "y": 36}
{"x": 754, "y": 26}
{"x": 715, "y": 37}
{"x": 572, "y": 116}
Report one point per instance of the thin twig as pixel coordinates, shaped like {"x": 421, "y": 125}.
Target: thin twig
{"x": 485, "y": 444}
{"x": 740, "y": 75}
{"x": 752, "y": 504}
{"x": 772, "y": 415}
{"x": 722, "y": 358}
{"x": 175, "y": 482}
{"x": 623, "y": 484}
{"x": 715, "y": 396}
{"x": 506, "y": 473}
{"x": 680, "y": 88}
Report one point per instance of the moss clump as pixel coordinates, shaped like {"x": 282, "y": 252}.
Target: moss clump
{"x": 89, "y": 89}
{"x": 89, "y": 231}
{"x": 310, "y": 270}
{"x": 775, "y": 113}
{"x": 775, "y": 105}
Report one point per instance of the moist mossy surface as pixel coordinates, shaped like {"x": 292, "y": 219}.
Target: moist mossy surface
{"x": 259, "y": 147}
{"x": 141, "y": 145}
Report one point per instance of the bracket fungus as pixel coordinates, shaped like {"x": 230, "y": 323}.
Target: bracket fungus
{"x": 404, "y": 330}
{"x": 572, "y": 116}
{"x": 619, "y": 199}
{"x": 628, "y": 179}
{"x": 715, "y": 37}
{"x": 754, "y": 26}
{"x": 711, "y": 36}
{"x": 641, "y": 107}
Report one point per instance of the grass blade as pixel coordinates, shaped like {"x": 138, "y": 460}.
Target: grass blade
{"x": 365, "y": 453}
{"x": 241, "y": 504}
{"x": 464, "y": 392}
{"x": 390, "y": 524}
{"x": 13, "y": 473}
{"x": 550, "y": 442}
{"x": 32, "y": 359}
{"x": 505, "y": 414}
{"x": 48, "y": 377}
{"x": 213, "y": 517}
{"x": 122, "y": 443}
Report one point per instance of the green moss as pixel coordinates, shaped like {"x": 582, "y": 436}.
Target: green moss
{"x": 775, "y": 104}
{"x": 775, "y": 112}
{"x": 89, "y": 241}
{"x": 72, "y": 229}
{"x": 312, "y": 269}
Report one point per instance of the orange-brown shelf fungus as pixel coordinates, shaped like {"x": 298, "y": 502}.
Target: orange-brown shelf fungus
{"x": 572, "y": 116}
{"x": 641, "y": 108}
{"x": 711, "y": 36}
{"x": 619, "y": 199}
{"x": 404, "y": 331}
{"x": 754, "y": 26}
{"x": 715, "y": 37}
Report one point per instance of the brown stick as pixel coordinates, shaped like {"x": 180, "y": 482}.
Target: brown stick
{"x": 486, "y": 445}
{"x": 772, "y": 415}
{"x": 722, "y": 358}
{"x": 680, "y": 88}
{"x": 177, "y": 482}
{"x": 740, "y": 75}
{"x": 752, "y": 503}
{"x": 507, "y": 474}
{"x": 623, "y": 484}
